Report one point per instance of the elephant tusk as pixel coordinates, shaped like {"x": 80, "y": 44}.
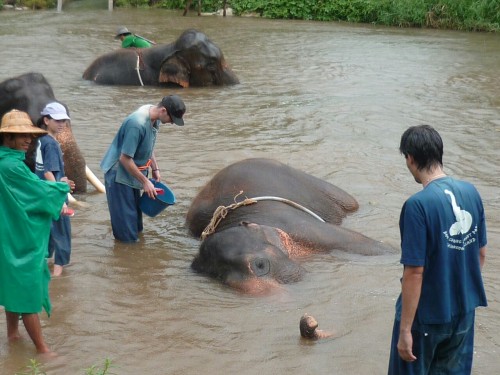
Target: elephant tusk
{"x": 92, "y": 178}
{"x": 71, "y": 198}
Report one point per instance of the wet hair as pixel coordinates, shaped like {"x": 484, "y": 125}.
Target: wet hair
{"x": 424, "y": 144}
{"x": 308, "y": 326}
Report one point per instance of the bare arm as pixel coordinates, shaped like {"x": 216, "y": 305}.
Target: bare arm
{"x": 129, "y": 165}
{"x": 155, "y": 169}
{"x": 482, "y": 256}
{"x": 411, "y": 288}
{"x": 49, "y": 176}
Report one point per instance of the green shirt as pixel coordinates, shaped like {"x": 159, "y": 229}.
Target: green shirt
{"x": 135, "y": 41}
{"x": 28, "y": 206}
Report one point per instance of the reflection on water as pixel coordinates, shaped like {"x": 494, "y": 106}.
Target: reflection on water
{"x": 330, "y": 99}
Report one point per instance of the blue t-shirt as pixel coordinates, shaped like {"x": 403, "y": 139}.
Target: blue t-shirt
{"x": 49, "y": 158}
{"x": 442, "y": 229}
{"x": 135, "y": 138}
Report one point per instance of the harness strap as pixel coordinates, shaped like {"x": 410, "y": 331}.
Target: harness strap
{"x": 137, "y": 68}
{"x": 222, "y": 211}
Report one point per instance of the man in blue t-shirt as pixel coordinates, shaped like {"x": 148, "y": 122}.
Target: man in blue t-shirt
{"x": 443, "y": 245}
{"x": 128, "y": 160}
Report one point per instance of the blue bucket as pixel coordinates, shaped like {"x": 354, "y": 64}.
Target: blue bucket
{"x": 153, "y": 207}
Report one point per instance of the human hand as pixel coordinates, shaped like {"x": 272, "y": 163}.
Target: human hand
{"x": 156, "y": 174}
{"x": 405, "y": 345}
{"x": 66, "y": 211}
{"x": 149, "y": 189}
{"x": 71, "y": 183}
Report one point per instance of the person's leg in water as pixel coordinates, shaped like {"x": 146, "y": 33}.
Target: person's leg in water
{"x": 12, "y": 325}
{"x": 60, "y": 244}
{"x": 34, "y": 329}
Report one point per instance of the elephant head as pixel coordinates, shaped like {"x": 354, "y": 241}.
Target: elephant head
{"x": 254, "y": 244}
{"x": 249, "y": 257}
{"x": 196, "y": 61}
{"x": 30, "y": 93}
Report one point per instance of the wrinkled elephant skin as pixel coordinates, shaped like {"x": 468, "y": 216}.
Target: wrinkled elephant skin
{"x": 192, "y": 60}
{"x": 30, "y": 92}
{"x": 255, "y": 247}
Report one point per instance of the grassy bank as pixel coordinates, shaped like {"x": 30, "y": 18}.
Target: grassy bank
{"x": 471, "y": 15}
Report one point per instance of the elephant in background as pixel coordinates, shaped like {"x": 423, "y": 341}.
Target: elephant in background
{"x": 254, "y": 246}
{"x": 30, "y": 93}
{"x": 192, "y": 60}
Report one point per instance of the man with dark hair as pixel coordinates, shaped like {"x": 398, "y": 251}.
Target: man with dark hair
{"x": 443, "y": 245}
{"x": 128, "y": 160}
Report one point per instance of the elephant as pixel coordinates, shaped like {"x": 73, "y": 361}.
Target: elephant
{"x": 30, "y": 92}
{"x": 253, "y": 245}
{"x": 192, "y": 60}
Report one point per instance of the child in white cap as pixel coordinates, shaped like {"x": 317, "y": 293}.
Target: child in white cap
{"x": 50, "y": 166}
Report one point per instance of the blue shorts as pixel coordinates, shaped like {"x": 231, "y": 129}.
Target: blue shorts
{"x": 441, "y": 349}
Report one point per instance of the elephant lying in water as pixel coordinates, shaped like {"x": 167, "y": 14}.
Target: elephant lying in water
{"x": 253, "y": 248}
{"x": 30, "y": 93}
{"x": 192, "y": 60}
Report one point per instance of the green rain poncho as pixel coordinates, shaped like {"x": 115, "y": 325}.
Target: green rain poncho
{"x": 28, "y": 205}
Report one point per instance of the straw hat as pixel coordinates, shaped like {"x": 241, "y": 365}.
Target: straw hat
{"x": 19, "y": 122}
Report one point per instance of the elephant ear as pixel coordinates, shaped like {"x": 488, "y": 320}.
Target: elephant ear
{"x": 174, "y": 70}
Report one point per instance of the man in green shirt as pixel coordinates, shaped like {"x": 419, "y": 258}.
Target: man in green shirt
{"x": 28, "y": 205}
{"x": 130, "y": 40}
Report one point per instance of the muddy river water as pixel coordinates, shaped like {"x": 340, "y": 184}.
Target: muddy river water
{"x": 330, "y": 99}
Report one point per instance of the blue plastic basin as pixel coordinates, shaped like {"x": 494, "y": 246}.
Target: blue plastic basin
{"x": 153, "y": 207}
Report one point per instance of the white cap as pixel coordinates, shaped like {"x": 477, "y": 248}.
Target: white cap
{"x": 56, "y": 111}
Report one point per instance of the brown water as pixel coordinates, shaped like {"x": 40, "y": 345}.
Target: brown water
{"x": 328, "y": 98}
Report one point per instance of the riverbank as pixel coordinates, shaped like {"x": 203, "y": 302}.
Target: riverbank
{"x": 466, "y": 15}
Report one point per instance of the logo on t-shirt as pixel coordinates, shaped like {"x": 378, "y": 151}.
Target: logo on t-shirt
{"x": 463, "y": 218}
{"x": 462, "y": 225}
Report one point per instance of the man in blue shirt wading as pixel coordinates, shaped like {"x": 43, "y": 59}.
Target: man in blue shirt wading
{"x": 443, "y": 246}
{"x": 128, "y": 160}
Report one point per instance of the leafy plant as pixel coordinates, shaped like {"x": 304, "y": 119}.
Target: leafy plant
{"x": 94, "y": 370}
{"x": 34, "y": 368}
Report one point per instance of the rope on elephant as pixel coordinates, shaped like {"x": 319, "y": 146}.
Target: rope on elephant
{"x": 138, "y": 70}
{"x": 222, "y": 211}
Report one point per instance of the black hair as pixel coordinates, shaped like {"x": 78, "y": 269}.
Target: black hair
{"x": 424, "y": 144}
{"x": 41, "y": 123}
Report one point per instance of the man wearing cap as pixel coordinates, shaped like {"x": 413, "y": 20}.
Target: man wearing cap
{"x": 130, "y": 40}
{"x": 127, "y": 162}
{"x": 30, "y": 205}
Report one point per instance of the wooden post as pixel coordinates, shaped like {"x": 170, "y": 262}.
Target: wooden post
{"x": 59, "y": 5}
{"x": 110, "y": 5}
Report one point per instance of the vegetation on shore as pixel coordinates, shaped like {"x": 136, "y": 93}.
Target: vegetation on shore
{"x": 36, "y": 368}
{"x": 471, "y": 15}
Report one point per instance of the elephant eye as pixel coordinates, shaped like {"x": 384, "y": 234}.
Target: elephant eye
{"x": 211, "y": 66}
{"x": 261, "y": 266}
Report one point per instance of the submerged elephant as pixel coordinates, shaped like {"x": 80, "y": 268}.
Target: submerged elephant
{"x": 192, "y": 60}
{"x": 30, "y": 93}
{"x": 251, "y": 247}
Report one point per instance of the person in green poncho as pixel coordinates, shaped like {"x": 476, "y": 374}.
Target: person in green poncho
{"x": 130, "y": 40}
{"x": 29, "y": 205}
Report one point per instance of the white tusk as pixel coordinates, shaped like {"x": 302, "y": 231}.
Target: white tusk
{"x": 71, "y": 199}
{"x": 92, "y": 178}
